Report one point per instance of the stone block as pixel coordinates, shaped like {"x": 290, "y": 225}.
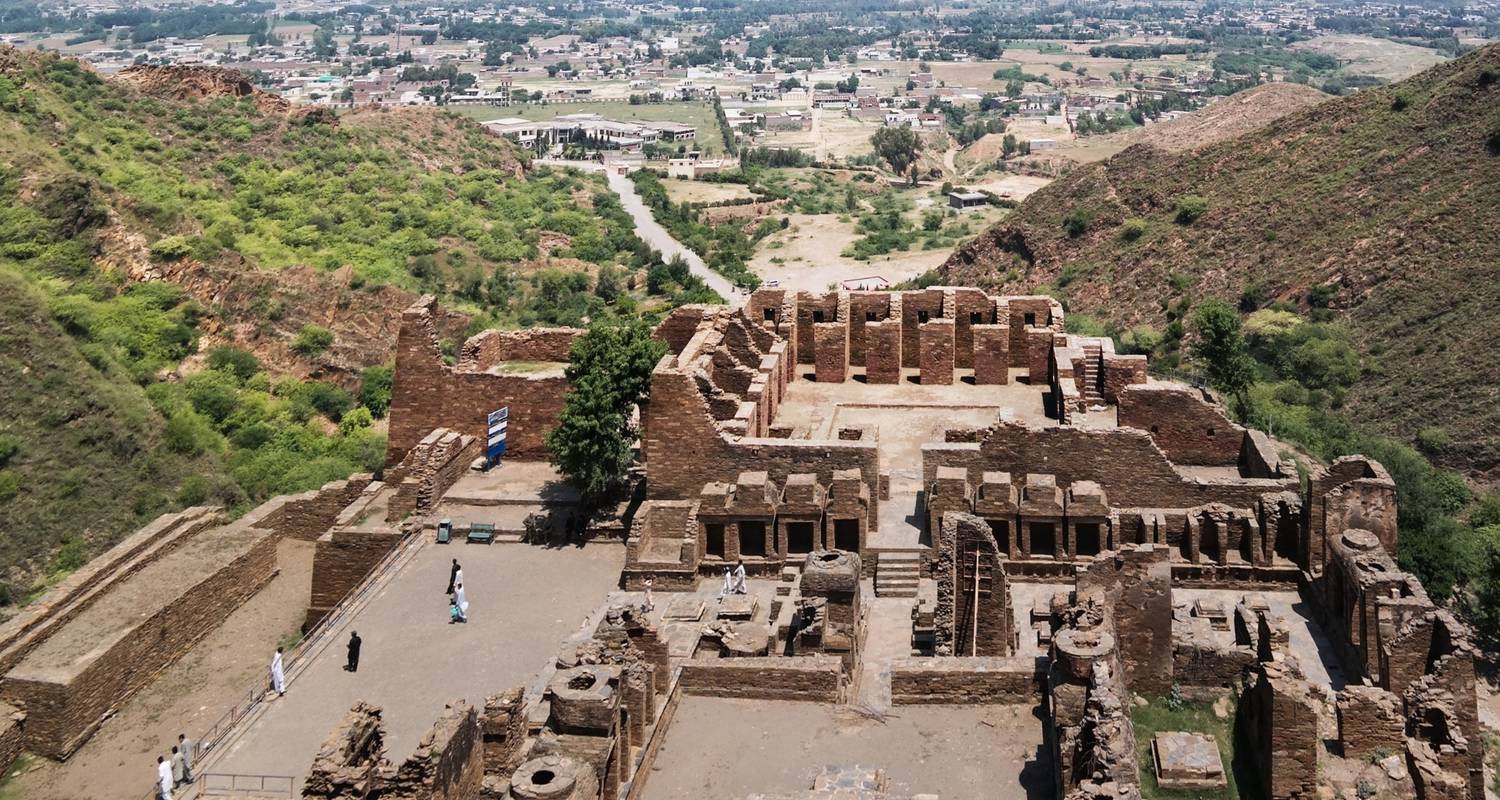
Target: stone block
{"x": 937, "y": 345}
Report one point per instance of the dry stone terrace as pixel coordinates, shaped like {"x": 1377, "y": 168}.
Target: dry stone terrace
{"x": 982, "y": 554}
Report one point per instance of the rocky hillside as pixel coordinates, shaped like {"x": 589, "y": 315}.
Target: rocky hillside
{"x": 1232, "y": 116}
{"x": 202, "y": 284}
{"x": 1383, "y": 207}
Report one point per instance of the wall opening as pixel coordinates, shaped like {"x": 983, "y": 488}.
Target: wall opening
{"x": 1001, "y": 529}
{"x": 1208, "y": 541}
{"x": 846, "y": 535}
{"x": 1043, "y": 539}
{"x": 1088, "y": 543}
{"x": 714, "y": 539}
{"x": 799, "y": 537}
{"x": 752, "y": 538}
{"x": 1286, "y": 533}
{"x": 921, "y": 316}
{"x": 768, "y": 314}
{"x": 817, "y": 315}
{"x": 1030, "y": 319}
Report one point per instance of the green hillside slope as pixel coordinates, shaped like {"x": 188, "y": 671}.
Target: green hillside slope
{"x": 1381, "y": 209}
{"x": 201, "y": 285}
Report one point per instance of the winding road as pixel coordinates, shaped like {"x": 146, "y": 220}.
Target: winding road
{"x": 651, "y": 232}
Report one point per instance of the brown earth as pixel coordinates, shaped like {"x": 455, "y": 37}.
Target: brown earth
{"x": 197, "y": 83}
{"x": 1233, "y": 116}
{"x": 1387, "y": 201}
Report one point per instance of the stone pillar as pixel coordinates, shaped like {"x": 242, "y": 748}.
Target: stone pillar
{"x": 937, "y": 352}
{"x": 831, "y": 351}
{"x": 1038, "y": 354}
{"x": 991, "y": 354}
{"x": 883, "y": 351}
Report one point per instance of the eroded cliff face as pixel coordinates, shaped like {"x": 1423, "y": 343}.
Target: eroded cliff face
{"x": 198, "y": 83}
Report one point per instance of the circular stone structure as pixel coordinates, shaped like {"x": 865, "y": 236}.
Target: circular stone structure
{"x": 830, "y": 571}
{"x": 1360, "y": 540}
{"x": 548, "y": 778}
{"x": 582, "y": 697}
{"x": 1076, "y": 652}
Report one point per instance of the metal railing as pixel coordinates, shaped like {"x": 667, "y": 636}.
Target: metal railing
{"x": 227, "y": 784}
{"x": 251, "y": 698}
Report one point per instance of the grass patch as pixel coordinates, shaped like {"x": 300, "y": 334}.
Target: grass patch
{"x": 8, "y": 788}
{"x": 1161, "y": 714}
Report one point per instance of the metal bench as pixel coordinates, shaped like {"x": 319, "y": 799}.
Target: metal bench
{"x": 482, "y": 532}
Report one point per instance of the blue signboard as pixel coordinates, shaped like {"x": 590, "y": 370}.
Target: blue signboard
{"x": 494, "y": 440}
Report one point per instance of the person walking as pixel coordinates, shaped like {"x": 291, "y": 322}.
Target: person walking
{"x": 163, "y": 779}
{"x": 739, "y": 577}
{"x": 453, "y": 576}
{"x": 185, "y": 746}
{"x": 650, "y": 605}
{"x": 461, "y": 598}
{"x": 354, "y": 643}
{"x": 278, "y": 674}
{"x": 179, "y": 773}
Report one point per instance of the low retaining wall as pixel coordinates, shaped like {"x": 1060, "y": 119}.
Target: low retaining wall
{"x": 342, "y": 559}
{"x": 967, "y": 681}
{"x": 818, "y": 679}
{"x": 39, "y": 620}
{"x": 10, "y": 737}
{"x": 70, "y": 682}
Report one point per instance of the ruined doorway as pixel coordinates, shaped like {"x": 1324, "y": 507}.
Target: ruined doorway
{"x": 752, "y": 538}
{"x": 799, "y": 537}
{"x": 846, "y": 535}
{"x": 1043, "y": 539}
{"x": 1001, "y": 530}
{"x": 714, "y": 539}
{"x": 1088, "y": 543}
{"x": 1286, "y": 533}
{"x": 1208, "y": 542}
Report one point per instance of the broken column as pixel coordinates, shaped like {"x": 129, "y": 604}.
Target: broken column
{"x": 1278, "y": 722}
{"x": 554, "y": 777}
{"x": 883, "y": 351}
{"x": 991, "y": 354}
{"x": 831, "y": 351}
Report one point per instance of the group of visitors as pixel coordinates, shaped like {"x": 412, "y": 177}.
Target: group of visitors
{"x": 175, "y": 771}
{"x": 458, "y": 601}
{"x": 734, "y": 579}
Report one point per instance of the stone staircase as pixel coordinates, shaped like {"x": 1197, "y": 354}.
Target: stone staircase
{"x": 897, "y": 574}
{"x": 1091, "y": 382}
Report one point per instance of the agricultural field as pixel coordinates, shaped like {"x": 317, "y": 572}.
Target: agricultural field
{"x": 1376, "y": 58}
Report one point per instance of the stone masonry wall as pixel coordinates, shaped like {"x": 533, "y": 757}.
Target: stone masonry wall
{"x": 1186, "y": 427}
{"x": 965, "y": 681}
{"x": 816, "y": 678}
{"x": 428, "y": 394}
{"x": 487, "y": 349}
{"x": 831, "y": 351}
{"x": 1137, "y": 582}
{"x": 937, "y": 352}
{"x": 991, "y": 354}
{"x": 448, "y": 763}
{"x": 1131, "y": 469}
{"x": 308, "y": 515}
{"x": 883, "y": 352}
{"x": 1120, "y": 372}
{"x": 340, "y": 562}
{"x": 63, "y": 708}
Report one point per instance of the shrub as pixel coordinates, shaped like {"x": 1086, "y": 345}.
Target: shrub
{"x": 70, "y": 556}
{"x": 1132, "y": 229}
{"x": 375, "y": 389}
{"x": 356, "y": 419}
{"x": 1077, "y": 222}
{"x": 1433, "y": 440}
{"x": 9, "y": 446}
{"x": 1190, "y": 208}
{"x": 1400, "y": 102}
{"x": 189, "y": 433}
{"x": 171, "y": 248}
{"x": 241, "y": 363}
{"x": 331, "y": 400}
{"x": 212, "y": 393}
{"x": 1492, "y": 140}
{"x": 312, "y": 339}
{"x": 10, "y": 485}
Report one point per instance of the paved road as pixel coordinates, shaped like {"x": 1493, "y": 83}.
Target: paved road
{"x": 652, "y": 233}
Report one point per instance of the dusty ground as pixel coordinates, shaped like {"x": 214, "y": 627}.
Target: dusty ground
{"x": 683, "y": 191}
{"x": 414, "y": 662}
{"x": 187, "y": 698}
{"x": 1381, "y": 58}
{"x": 1016, "y": 187}
{"x": 729, "y": 748}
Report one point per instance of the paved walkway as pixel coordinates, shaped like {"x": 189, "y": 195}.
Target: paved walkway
{"x": 413, "y": 661}
{"x": 651, "y": 232}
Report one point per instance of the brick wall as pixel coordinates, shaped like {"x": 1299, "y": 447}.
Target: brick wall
{"x": 684, "y": 449}
{"x": 883, "y": 353}
{"x": 64, "y": 705}
{"x": 831, "y": 351}
{"x": 811, "y": 309}
{"x": 43, "y": 617}
{"x": 487, "y": 349}
{"x": 970, "y": 307}
{"x": 1370, "y": 721}
{"x": 341, "y": 560}
{"x": 11, "y": 741}
{"x": 915, "y": 307}
{"x": 937, "y": 352}
{"x": 428, "y": 394}
{"x": 1120, "y": 372}
{"x": 449, "y": 761}
{"x": 863, "y": 305}
{"x": 991, "y": 354}
{"x": 966, "y": 681}
{"x": 817, "y": 678}
{"x": 308, "y": 515}
{"x": 1133, "y": 472}
{"x": 429, "y": 470}
{"x": 1187, "y": 428}
{"x": 1138, "y": 583}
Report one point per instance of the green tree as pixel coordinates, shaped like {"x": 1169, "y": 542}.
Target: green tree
{"x": 375, "y": 389}
{"x": 1221, "y": 348}
{"x": 610, "y": 370}
{"x": 898, "y": 147}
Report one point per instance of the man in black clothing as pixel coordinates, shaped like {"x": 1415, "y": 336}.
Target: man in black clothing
{"x": 452, "y": 573}
{"x": 354, "y": 642}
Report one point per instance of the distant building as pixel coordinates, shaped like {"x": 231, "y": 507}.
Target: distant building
{"x": 963, "y": 200}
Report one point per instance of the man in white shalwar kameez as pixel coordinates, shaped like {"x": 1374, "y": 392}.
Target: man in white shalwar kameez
{"x": 462, "y": 600}
{"x": 739, "y": 577}
{"x": 728, "y": 581}
{"x": 163, "y": 779}
{"x": 278, "y": 674}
